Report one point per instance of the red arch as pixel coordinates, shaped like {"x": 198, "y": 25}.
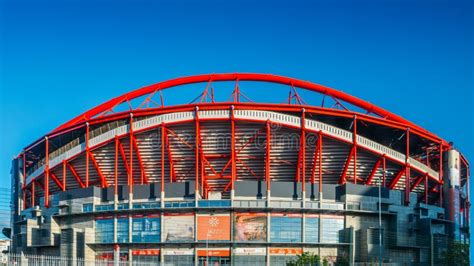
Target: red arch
{"x": 239, "y": 77}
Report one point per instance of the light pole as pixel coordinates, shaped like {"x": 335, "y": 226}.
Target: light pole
{"x": 380, "y": 215}
{"x": 207, "y": 238}
{"x": 207, "y": 247}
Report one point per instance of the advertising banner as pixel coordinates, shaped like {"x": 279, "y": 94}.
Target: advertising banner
{"x": 215, "y": 227}
{"x": 213, "y": 253}
{"x": 178, "y": 227}
{"x": 250, "y": 251}
{"x": 285, "y": 251}
{"x": 250, "y": 227}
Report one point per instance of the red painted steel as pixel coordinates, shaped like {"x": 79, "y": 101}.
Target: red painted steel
{"x": 335, "y": 94}
{"x": 374, "y": 171}
{"x": 46, "y": 174}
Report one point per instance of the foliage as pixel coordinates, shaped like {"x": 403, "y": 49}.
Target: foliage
{"x": 457, "y": 254}
{"x": 305, "y": 259}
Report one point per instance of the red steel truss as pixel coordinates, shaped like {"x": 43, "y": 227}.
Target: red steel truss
{"x": 204, "y": 171}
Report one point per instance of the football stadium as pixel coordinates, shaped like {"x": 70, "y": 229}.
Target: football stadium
{"x": 239, "y": 169}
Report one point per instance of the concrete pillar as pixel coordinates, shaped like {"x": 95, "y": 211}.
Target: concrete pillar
{"x": 451, "y": 191}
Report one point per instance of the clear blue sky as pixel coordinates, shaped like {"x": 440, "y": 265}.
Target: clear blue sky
{"x": 414, "y": 58}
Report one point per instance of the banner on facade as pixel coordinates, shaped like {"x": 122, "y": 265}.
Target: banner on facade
{"x": 215, "y": 227}
{"x": 250, "y": 227}
{"x": 179, "y": 227}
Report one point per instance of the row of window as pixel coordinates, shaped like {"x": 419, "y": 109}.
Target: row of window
{"x": 88, "y": 207}
{"x": 249, "y": 228}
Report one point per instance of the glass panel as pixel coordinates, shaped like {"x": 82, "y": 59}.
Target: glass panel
{"x": 146, "y": 230}
{"x": 312, "y": 230}
{"x": 104, "y": 231}
{"x": 285, "y": 229}
{"x": 122, "y": 230}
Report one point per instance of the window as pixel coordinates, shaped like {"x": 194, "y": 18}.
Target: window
{"x": 285, "y": 229}
{"x": 122, "y": 230}
{"x": 104, "y": 231}
{"x": 330, "y": 229}
{"x": 312, "y": 230}
{"x": 122, "y": 206}
{"x": 146, "y": 230}
{"x": 106, "y": 207}
{"x": 87, "y": 207}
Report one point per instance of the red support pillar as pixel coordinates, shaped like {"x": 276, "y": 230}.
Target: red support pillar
{"x": 197, "y": 148}
{"x": 232, "y": 147}
{"x": 64, "y": 175}
{"x": 267, "y": 154}
{"x": 162, "y": 157}
{"x": 407, "y": 168}
{"x": 23, "y": 188}
{"x": 130, "y": 177}
{"x": 87, "y": 154}
{"x": 116, "y": 166}
{"x": 303, "y": 150}
{"x": 320, "y": 160}
{"x": 354, "y": 140}
{"x": 46, "y": 174}
{"x": 441, "y": 174}
{"x": 33, "y": 194}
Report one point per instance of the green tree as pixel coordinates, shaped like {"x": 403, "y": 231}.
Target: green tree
{"x": 305, "y": 259}
{"x": 457, "y": 254}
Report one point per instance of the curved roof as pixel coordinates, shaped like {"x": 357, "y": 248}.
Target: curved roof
{"x": 269, "y": 78}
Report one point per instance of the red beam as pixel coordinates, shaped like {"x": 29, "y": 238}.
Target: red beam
{"x": 56, "y": 180}
{"x": 342, "y": 180}
{"x": 64, "y": 175}
{"x": 354, "y": 141}
{"x": 170, "y": 157}
{"x": 417, "y": 182}
{"x": 374, "y": 171}
{"x": 103, "y": 179}
{"x": 397, "y": 178}
{"x": 144, "y": 178}
{"x": 124, "y": 158}
{"x": 76, "y": 176}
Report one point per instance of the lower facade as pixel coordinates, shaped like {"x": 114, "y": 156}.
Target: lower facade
{"x": 342, "y": 224}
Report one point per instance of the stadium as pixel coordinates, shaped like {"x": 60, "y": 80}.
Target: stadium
{"x": 226, "y": 178}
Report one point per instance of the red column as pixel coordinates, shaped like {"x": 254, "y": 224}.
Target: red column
{"x": 87, "y": 154}
{"x": 320, "y": 160}
{"x": 64, "y": 175}
{"x": 303, "y": 149}
{"x": 130, "y": 177}
{"x": 197, "y": 147}
{"x": 354, "y": 136}
{"x": 162, "y": 157}
{"x": 407, "y": 168}
{"x": 232, "y": 147}
{"x": 23, "y": 187}
{"x": 116, "y": 166}
{"x": 441, "y": 173}
{"x": 46, "y": 174}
